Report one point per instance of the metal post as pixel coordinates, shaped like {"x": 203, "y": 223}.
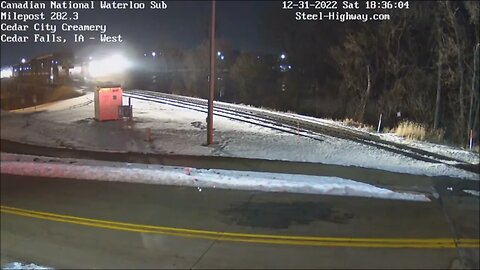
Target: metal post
{"x": 471, "y": 140}
{"x": 379, "y": 123}
{"x": 213, "y": 79}
{"x": 130, "y": 115}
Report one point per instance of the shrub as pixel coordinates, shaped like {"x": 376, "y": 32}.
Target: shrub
{"x": 411, "y": 130}
{"x": 352, "y": 123}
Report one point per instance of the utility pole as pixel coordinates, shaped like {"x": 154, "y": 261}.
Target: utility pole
{"x": 213, "y": 78}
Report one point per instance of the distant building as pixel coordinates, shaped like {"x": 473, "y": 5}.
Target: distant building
{"x": 50, "y": 68}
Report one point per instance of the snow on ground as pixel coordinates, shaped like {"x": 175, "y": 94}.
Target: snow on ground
{"x": 449, "y": 151}
{"x": 472, "y": 192}
{"x": 25, "y": 266}
{"x": 199, "y": 178}
{"x": 176, "y": 130}
{"x": 182, "y": 119}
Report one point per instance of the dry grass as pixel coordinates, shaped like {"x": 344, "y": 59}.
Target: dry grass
{"x": 17, "y": 94}
{"x": 352, "y": 123}
{"x": 349, "y": 122}
{"x": 419, "y": 132}
{"x": 411, "y": 130}
{"x": 389, "y": 130}
{"x": 60, "y": 93}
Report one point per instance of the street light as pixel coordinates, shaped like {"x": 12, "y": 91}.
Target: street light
{"x": 154, "y": 54}
{"x": 220, "y": 55}
{"x": 283, "y": 56}
{"x": 23, "y": 60}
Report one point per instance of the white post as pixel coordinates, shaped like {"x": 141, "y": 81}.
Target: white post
{"x": 34, "y": 99}
{"x": 379, "y": 123}
{"x": 471, "y": 139}
{"x": 298, "y": 132}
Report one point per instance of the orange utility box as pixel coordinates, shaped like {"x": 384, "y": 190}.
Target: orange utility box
{"x": 107, "y": 100}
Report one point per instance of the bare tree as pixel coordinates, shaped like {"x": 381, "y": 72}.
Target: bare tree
{"x": 473, "y": 9}
{"x": 473, "y": 90}
{"x": 439, "y": 75}
{"x": 365, "y": 97}
{"x": 451, "y": 14}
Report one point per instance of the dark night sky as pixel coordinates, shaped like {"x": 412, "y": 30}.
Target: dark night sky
{"x": 185, "y": 22}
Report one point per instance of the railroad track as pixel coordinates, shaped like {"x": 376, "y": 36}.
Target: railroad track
{"x": 245, "y": 117}
{"x": 298, "y": 126}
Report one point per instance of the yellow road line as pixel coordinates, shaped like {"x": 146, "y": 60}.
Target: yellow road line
{"x": 253, "y": 238}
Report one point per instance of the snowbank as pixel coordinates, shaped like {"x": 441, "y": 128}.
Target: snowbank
{"x": 199, "y": 178}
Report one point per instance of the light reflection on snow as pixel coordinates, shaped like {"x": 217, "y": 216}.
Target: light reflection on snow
{"x": 19, "y": 265}
{"x": 472, "y": 192}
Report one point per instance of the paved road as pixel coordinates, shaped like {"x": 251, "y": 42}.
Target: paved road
{"x": 226, "y": 228}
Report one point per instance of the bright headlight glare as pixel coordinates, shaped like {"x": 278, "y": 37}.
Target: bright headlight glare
{"x": 115, "y": 64}
{"x": 6, "y": 73}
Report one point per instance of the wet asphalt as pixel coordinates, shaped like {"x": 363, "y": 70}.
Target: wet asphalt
{"x": 454, "y": 214}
